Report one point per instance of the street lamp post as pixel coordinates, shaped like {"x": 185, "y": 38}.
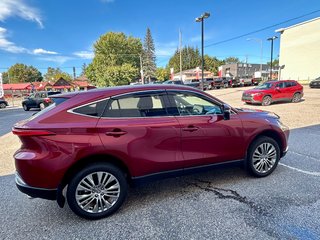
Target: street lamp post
{"x": 261, "y": 50}
{"x": 201, "y": 19}
{"x": 271, "y": 39}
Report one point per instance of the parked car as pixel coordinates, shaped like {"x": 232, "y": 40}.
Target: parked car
{"x": 274, "y": 91}
{"x": 315, "y": 83}
{"x": 3, "y": 103}
{"x": 87, "y": 146}
{"x": 218, "y": 83}
{"x": 38, "y": 100}
{"x": 197, "y": 84}
{"x": 256, "y": 81}
{"x": 179, "y": 82}
{"x": 245, "y": 81}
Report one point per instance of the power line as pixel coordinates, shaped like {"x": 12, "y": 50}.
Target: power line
{"x": 260, "y": 30}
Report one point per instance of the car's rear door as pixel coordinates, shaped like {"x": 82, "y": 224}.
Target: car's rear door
{"x": 137, "y": 129}
{"x": 206, "y": 138}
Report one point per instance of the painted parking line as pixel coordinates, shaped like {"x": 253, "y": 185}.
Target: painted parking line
{"x": 304, "y": 155}
{"x": 317, "y": 174}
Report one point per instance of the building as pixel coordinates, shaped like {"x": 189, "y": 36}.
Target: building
{"x": 242, "y": 70}
{"x": 192, "y": 75}
{"x": 300, "y": 50}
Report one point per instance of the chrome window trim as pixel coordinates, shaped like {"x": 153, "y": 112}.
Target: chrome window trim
{"x": 165, "y": 91}
{"x": 71, "y": 110}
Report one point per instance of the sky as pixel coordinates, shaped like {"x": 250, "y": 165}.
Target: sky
{"x": 61, "y": 33}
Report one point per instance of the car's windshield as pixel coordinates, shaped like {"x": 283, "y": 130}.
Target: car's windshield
{"x": 266, "y": 85}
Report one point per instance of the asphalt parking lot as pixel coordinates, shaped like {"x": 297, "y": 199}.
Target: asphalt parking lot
{"x": 222, "y": 204}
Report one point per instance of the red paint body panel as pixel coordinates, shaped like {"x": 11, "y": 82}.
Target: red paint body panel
{"x": 144, "y": 145}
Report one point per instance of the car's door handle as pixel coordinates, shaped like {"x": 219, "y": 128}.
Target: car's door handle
{"x": 116, "y": 133}
{"x": 190, "y": 129}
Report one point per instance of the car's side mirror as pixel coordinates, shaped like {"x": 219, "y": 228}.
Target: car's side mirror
{"x": 226, "y": 111}
{"x": 278, "y": 89}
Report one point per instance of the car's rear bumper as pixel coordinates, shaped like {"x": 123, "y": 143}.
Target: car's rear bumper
{"x": 50, "y": 194}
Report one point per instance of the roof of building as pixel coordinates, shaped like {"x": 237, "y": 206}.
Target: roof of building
{"x": 16, "y": 86}
{"x": 281, "y": 30}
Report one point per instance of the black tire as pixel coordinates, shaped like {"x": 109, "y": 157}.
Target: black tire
{"x": 99, "y": 192}
{"x": 25, "y": 107}
{"x": 3, "y": 105}
{"x": 296, "y": 98}
{"x": 264, "y": 166}
{"x": 266, "y": 101}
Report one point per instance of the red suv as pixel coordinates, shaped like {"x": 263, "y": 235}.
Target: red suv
{"x": 274, "y": 91}
{"x": 87, "y": 146}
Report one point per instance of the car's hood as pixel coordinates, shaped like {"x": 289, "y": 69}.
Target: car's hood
{"x": 257, "y": 112}
{"x": 254, "y": 90}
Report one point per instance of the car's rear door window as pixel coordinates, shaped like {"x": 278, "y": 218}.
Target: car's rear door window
{"x": 136, "y": 105}
{"x": 93, "y": 109}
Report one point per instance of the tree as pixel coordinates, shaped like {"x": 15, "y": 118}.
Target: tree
{"x": 20, "y": 73}
{"x": 162, "y": 74}
{"x": 83, "y": 69}
{"x": 116, "y": 60}
{"x": 230, "y": 60}
{"x": 53, "y": 74}
{"x": 275, "y": 63}
{"x": 149, "y": 58}
{"x": 191, "y": 58}
{"x": 212, "y": 63}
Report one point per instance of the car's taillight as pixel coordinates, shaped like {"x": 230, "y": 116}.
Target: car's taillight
{"x": 31, "y": 132}
{"x": 47, "y": 100}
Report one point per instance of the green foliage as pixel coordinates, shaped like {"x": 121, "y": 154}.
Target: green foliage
{"x": 212, "y": 63}
{"x": 83, "y": 69}
{"x": 230, "y": 60}
{"x": 20, "y": 73}
{"x": 53, "y": 74}
{"x": 162, "y": 74}
{"x": 191, "y": 58}
{"x": 275, "y": 63}
{"x": 149, "y": 57}
{"x": 116, "y": 60}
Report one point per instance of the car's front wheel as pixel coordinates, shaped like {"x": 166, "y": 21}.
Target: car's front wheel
{"x": 263, "y": 156}
{"x": 97, "y": 191}
{"x": 25, "y": 107}
{"x": 266, "y": 101}
{"x": 42, "y": 106}
{"x": 3, "y": 105}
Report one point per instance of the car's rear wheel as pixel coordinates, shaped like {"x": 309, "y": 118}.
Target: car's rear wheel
{"x": 25, "y": 107}
{"x": 266, "y": 101}
{"x": 296, "y": 98}
{"x": 3, "y": 105}
{"x": 97, "y": 191}
{"x": 263, "y": 156}
{"x": 42, "y": 106}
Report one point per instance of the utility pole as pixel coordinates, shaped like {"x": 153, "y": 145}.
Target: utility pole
{"x": 180, "y": 48}
{"x": 74, "y": 73}
{"x": 141, "y": 69}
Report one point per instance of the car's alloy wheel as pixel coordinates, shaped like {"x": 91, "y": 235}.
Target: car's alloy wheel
{"x": 263, "y": 156}
{"x": 25, "y": 107}
{"x": 97, "y": 191}
{"x": 296, "y": 97}
{"x": 266, "y": 101}
{"x": 42, "y": 106}
{"x": 2, "y": 105}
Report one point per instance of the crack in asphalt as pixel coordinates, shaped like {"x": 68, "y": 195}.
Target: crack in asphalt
{"x": 223, "y": 193}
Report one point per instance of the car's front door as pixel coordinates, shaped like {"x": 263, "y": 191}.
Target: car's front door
{"x": 206, "y": 138}
{"x": 137, "y": 129}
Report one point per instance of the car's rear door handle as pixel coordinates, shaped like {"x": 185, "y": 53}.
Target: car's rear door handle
{"x": 190, "y": 129}
{"x": 116, "y": 133}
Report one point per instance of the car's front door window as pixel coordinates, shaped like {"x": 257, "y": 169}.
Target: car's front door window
{"x": 191, "y": 104}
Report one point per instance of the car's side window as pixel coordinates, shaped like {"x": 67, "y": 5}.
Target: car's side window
{"x": 37, "y": 95}
{"x": 288, "y": 84}
{"x": 281, "y": 85}
{"x": 94, "y": 109}
{"x": 192, "y": 104}
{"x": 149, "y": 105}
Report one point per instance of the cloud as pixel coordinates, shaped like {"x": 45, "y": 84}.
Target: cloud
{"x": 166, "y": 49}
{"x": 8, "y": 46}
{"x": 40, "y": 51}
{"x": 56, "y": 59}
{"x": 11, "y": 8}
{"x": 84, "y": 54}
